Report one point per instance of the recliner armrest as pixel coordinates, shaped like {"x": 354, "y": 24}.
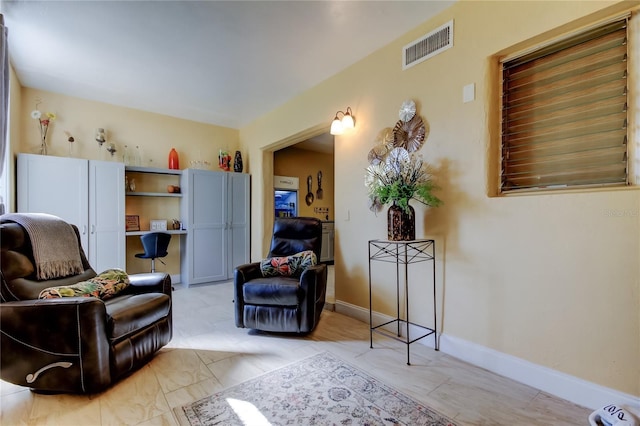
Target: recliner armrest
{"x": 314, "y": 283}
{"x": 247, "y": 272}
{"x": 241, "y": 275}
{"x": 313, "y": 274}
{"x": 150, "y": 282}
{"x": 55, "y": 344}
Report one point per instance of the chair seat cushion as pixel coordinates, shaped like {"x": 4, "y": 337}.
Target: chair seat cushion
{"x": 132, "y": 312}
{"x": 276, "y": 291}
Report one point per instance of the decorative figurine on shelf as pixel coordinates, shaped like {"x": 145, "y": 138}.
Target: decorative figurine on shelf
{"x": 137, "y": 156}
{"x": 126, "y": 156}
{"x": 100, "y": 137}
{"x": 224, "y": 160}
{"x": 111, "y": 149}
{"x": 71, "y": 140}
{"x": 174, "y": 162}
{"x": 44, "y": 121}
{"x": 237, "y": 162}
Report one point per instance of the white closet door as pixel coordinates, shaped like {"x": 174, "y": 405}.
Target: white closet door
{"x": 55, "y": 185}
{"x": 206, "y": 253}
{"x": 239, "y": 219}
{"x": 107, "y": 245}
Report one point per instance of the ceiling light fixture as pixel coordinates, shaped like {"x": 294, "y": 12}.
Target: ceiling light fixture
{"x": 338, "y": 126}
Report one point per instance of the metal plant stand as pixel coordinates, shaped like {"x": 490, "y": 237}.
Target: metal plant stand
{"x": 403, "y": 253}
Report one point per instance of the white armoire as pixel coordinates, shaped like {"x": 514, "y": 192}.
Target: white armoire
{"x": 86, "y": 193}
{"x": 215, "y": 212}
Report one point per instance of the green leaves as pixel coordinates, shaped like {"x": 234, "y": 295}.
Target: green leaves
{"x": 400, "y": 178}
{"x": 400, "y": 193}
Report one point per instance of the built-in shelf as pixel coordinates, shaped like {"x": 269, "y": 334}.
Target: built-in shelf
{"x": 153, "y": 194}
{"x": 155, "y": 170}
{"x": 168, "y": 231}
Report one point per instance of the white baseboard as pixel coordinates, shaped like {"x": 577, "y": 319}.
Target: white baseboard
{"x": 571, "y": 388}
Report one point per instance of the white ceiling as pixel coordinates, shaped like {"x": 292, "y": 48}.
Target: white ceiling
{"x": 218, "y": 62}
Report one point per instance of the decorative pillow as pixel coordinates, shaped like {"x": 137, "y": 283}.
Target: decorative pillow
{"x": 288, "y": 266}
{"x": 103, "y": 286}
{"x": 113, "y": 281}
{"x": 81, "y": 289}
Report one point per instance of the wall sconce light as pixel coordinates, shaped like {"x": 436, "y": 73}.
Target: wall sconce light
{"x": 338, "y": 126}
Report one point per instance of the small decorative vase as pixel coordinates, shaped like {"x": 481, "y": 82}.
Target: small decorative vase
{"x": 237, "y": 162}
{"x": 401, "y": 226}
{"x": 224, "y": 160}
{"x": 174, "y": 162}
{"x": 43, "y": 147}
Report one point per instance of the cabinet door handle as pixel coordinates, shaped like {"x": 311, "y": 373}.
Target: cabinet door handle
{"x": 93, "y": 229}
{"x": 84, "y": 229}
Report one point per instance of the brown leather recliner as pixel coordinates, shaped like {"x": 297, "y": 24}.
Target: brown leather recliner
{"x": 74, "y": 344}
{"x": 281, "y": 303}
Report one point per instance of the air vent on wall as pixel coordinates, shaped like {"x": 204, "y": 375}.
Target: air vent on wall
{"x": 429, "y": 45}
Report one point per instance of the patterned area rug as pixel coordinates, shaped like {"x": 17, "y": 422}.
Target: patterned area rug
{"x": 320, "y": 390}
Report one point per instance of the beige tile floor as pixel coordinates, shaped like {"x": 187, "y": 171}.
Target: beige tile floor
{"x": 208, "y": 353}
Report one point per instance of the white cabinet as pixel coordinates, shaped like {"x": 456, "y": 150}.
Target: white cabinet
{"x": 215, "y": 212}
{"x": 87, "y": 193}
{"x": 239, "y": 187}
{"x": 326, "y": 252}
{"x": 107, "y": 247}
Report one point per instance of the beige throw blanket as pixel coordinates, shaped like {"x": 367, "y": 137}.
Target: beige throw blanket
{"x": 55, "y": 245}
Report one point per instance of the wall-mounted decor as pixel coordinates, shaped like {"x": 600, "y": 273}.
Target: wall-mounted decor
{"x": 309, "y": 198}
{"x": 319, "y": 192}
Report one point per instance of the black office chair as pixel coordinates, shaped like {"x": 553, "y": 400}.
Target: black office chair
{"x": 155, "y": 246}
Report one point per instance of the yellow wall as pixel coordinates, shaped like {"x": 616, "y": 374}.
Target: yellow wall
{"x": 301, "y": 163}
{"x": 550, "y": 278}
{"x": 155, "y": 135}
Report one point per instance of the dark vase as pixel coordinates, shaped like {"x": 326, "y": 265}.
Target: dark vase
{"x": 237, "y": 162}
{"x": 401, "y": 226}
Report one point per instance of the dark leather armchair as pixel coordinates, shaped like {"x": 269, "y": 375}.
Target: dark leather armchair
{"x": 74, "y": 344}
{"x": 283, "y": 304}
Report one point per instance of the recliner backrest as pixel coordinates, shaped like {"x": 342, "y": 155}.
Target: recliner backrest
{"x": 292, "y": 235}
{"x": 17, "y": 270}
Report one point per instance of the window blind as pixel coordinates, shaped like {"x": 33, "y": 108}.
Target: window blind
{"x": 564, "y": 113}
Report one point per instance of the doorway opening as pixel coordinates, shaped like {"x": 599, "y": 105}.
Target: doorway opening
{"x": 304, "y": 176}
